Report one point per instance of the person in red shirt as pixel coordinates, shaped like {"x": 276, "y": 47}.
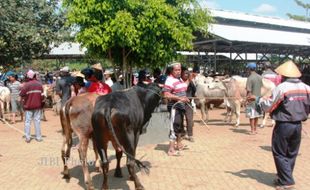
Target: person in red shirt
{"x": 32, "y": 98}
{"x": 95, "y": 84}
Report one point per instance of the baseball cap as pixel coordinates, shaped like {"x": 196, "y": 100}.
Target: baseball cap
{"x": 30, "y": 74}
{"x": 251, "y": 65}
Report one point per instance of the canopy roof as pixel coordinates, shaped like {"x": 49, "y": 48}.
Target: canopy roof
{"x": 243, "y": 33}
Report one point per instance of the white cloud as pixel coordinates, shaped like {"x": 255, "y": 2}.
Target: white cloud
{"x": 265, "y": 8}
{"x": 212, "y": 4}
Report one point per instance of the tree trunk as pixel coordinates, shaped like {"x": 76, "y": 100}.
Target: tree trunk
{"x": 124, "y": 62}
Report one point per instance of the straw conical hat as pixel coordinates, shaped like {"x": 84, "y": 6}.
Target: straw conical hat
{"x": 288, "y": 69}
{"x": 97, "y": 66}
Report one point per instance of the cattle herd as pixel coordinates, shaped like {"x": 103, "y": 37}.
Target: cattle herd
{"x": 121, "y": 116}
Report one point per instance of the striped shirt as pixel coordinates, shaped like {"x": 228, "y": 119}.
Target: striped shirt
{"x": 176, "y": 87}
{"x": 15, "y": 89}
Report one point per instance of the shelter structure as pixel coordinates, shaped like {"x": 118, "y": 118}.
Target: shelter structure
{"x": 240, "y": 37}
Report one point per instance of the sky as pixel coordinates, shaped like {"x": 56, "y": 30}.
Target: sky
{"x": 274, "y": 8}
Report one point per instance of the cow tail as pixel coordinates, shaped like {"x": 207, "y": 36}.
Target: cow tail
{"x": 138, "y": 162}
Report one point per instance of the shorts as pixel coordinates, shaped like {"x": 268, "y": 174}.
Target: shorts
{"x": 15, "y": 105}
{"x": 253, "y": 111}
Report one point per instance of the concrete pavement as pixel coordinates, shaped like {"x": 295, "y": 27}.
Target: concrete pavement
{"x": 220, "y": 158}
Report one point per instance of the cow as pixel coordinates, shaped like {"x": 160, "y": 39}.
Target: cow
{"x": 209, "y": 92}
{"x": 120, "y": 117}
{"x": 75, "y": 116}
{"x": 236, "y": 92}
{"x": 5, "y": 99}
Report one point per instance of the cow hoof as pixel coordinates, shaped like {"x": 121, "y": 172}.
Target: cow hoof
{"x": 118, "y": 173}
{"x": 90, "y": 186}
{"x": 105, "y": 187}
{"x": 131, "y": 178}
{"x": 140, "y": 187}
{"x": 98, "y": 169}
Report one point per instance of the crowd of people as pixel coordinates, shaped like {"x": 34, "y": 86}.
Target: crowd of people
{"x": 288, "y": 105}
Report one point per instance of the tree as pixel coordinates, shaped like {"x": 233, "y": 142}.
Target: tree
{"x": 137, "y": 32}
{"x": 306, "y": 6}
{"x": 27, "y": 28}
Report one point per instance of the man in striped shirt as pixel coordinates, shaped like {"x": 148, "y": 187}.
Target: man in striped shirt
{"x": 175, "y": 91}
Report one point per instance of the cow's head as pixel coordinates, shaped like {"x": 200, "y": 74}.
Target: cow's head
{"x": 150, "y": 97}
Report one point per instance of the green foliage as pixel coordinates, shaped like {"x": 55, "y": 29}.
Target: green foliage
{"x": 137, "y": 32}
{"x": 306, "y": 6}
{"x": 27, "y": 28}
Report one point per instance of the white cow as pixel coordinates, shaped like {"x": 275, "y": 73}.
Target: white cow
{"x": 5, "y": 98}
{"x": 236, "y": 93}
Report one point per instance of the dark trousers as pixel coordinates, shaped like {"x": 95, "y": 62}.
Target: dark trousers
{"x": 189, "y": 119}
{"x": 177, "y": 128}
{"x": 286, "y": 139}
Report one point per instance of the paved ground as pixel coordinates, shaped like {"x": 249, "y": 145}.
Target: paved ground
{"x": 220, "y": 158}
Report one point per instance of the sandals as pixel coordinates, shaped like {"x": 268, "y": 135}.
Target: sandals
{"x": 175, "y": 153}
{"x": 282, "y": 187}
{"x": 285, "y": 187}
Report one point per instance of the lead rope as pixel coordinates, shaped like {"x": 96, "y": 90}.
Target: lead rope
{"x": 193, "y": 112}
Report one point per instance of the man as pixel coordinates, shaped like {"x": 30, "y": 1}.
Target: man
{"x": 14, "y": 87}
{"x": 175, "y": 91}
{"x": 270, "y": 75}
{"x": 253, "y": 87}
{"x": 107, "y": 77}
{"x": 94, "y": 77}
{"x": 288, "y": 106}
{"x": 32, "y": 98}
{"x": 64, "y": 85}
{"x": 189, "y": 113}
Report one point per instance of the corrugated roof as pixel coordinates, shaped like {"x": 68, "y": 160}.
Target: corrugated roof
{"x": 250, "y": 34}
{"x": 68, "y": 48}
{"x": 259, "y": 19}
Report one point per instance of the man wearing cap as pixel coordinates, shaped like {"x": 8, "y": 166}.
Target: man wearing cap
{"x": 175, "y": 91}
{"x": 64, "y": 85}
{"x": 289, "y": 105}
{"x": 32, "y": 98}
{"x": 253, "y": 87}
{"x": 95, "y": 84}
{"x": 14, "y": 87}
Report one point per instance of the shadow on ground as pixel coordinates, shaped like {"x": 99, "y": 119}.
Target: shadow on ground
{"x": 243, "y": 131}
{"x": 267, "y": 148}
{"x": 260, "y": 176}
{"x": 113, "y": 182}
{"x": 162, "y": 147}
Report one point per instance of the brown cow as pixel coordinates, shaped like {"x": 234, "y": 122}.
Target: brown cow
{"x": 75, "y": 117}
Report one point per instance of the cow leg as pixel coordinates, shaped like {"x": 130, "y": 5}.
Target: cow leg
{"x": 105, "y": 163}
{"x": 237, "y": 112}
{"x": 118, "y": 171}
{"x": 83, "y": 158}
{"x": 131, "y": 149}
{"x": 65, "y": 154}
{"x": 1, "y": 110}
{"x": 204, "y": 111}
{"x": 227, "y": 114}
{"x": 131, "y": 169}
{"x": 97, "y": 162}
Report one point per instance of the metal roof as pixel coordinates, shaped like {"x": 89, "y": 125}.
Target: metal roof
{"x": 67, "y": 48}
{"x": 232, "y": 15}
{"x": 250, "y": 34}
{"x": 235, "y": 32}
